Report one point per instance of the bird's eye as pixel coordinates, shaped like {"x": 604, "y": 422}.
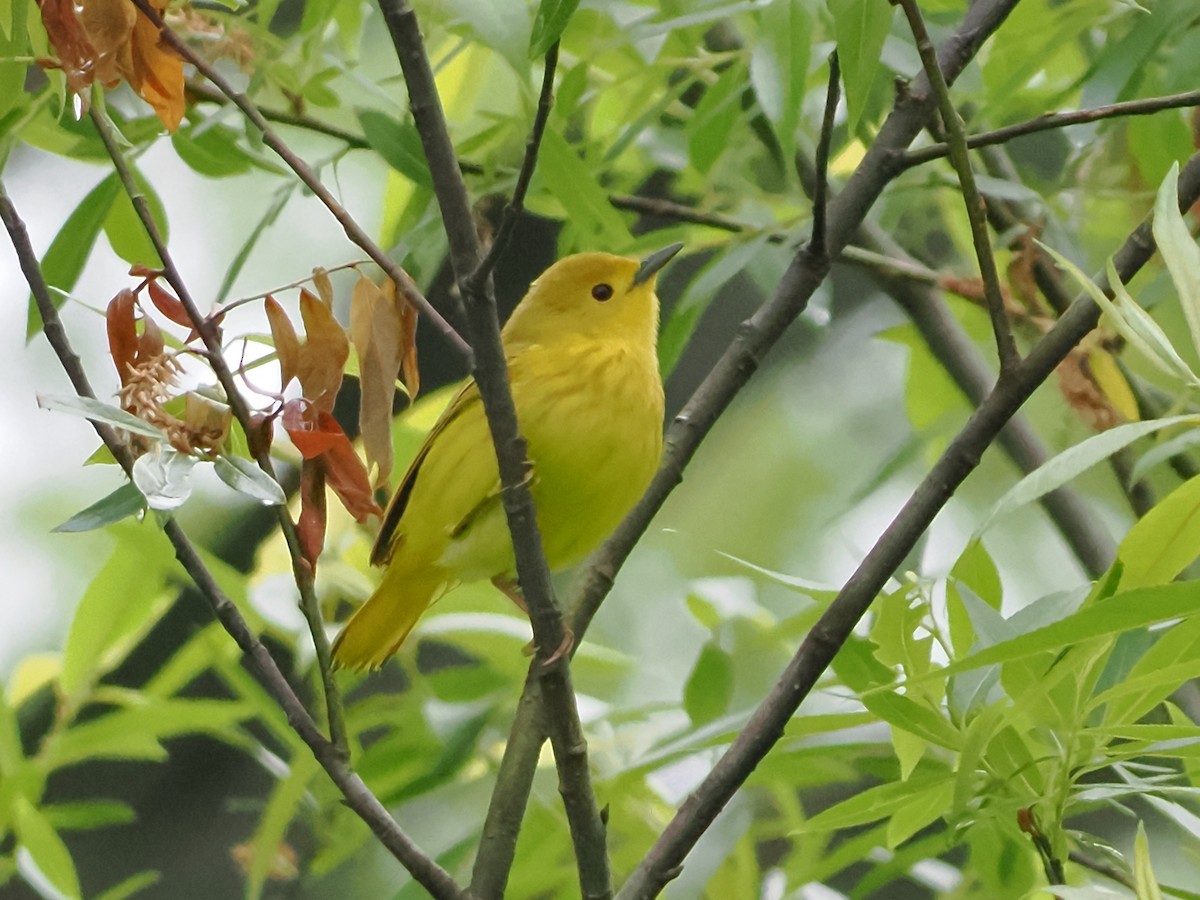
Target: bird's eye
{"x": 602, "y": 292}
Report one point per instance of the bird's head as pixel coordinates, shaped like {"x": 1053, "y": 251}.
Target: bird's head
{"x": 593, "y": 294}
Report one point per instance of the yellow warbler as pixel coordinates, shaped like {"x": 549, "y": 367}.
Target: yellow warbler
{"x": 584, "y": 374}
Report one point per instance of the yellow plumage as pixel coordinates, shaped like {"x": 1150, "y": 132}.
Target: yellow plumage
{"x": 584, "y": 376}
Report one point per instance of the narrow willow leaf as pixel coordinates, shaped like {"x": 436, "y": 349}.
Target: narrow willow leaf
{"x": 548, "y": 24}
{"x": 860, "y": 27}
{"x": 1164, "y": 451}
{"x": 710, "y": 686}
{"x": 1074, "y": 461}
{"x": 46, "y": 849}
{"x": 1145, "y": 884}
{"x": 134, "y": 884}
{"x": 1164, "y": 541}
{"x": 1178, "y": 250}
{"x": 125, "y": 501}
{"x": 245, "y": 477}
{"x": 93, "y": 409}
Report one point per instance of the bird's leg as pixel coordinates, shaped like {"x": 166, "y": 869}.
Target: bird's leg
{"x": 512, "y": 590}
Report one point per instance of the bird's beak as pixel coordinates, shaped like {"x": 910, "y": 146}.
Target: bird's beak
{"x": 652, "y": 263}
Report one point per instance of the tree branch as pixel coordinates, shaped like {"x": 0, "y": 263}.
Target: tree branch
{"x": 491, "y": 376}
{"x": 754, "y": 338}
{"x": 353, "y": 230}
{"x": 358, "y": 797}
{"x": 301, "y": 571}
{"x": 835, "y": 625}
{"x": 1049, "y": 121}
{"x": 956, "y": 135}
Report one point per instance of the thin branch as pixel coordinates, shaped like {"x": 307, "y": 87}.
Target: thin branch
{"x": 1049, "y": 121}
{"x": 301, "y": 570}
{"x": 491, "y": 376}
{"x": 835, "y": 625}
{"x": 976, "y": 209}
{"x": 1100, "y": 868}
{"x": 755, "y": 337}
{"x": 513, "y": 208}
{"x": 358, "y": 797}
{"x": 353, "y": 230}
{"x": 821, "y": 192}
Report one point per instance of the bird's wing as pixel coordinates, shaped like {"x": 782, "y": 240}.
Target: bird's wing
{"x": 466, "y": 404}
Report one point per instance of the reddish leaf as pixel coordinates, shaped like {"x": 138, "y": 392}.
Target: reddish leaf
{"x": 76, "y": 55}
{"x": 325, "y": 352}
{"x": 347, "y": 475}
{"x": 375, "y": 329}
{"x": 311, "y": 525}
{"x": 287, "y": 345}
{"x": 301, "y": 420}
{"x": 168, "y": 304}
{"x": 150, "y": 344}
{"x": 122, "y": 332}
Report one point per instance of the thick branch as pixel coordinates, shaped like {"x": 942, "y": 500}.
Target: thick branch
{"x": 491, "y": 376}
{"x": 358, "y": 797}
{"x": 755, "y": 337}
{"x": 353, "y": 230}
{"x": 835, "y": 625}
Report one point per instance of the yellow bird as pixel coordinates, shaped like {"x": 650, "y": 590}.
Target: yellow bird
{"x": 583, "y": 368}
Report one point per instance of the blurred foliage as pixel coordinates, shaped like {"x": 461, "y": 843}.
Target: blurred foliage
{"x": 996, "y": 710}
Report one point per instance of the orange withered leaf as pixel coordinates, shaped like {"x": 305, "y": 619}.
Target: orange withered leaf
{"x": 168, "y": 304}
{"x": 301, "y": 421}
{"x": 409, "y": 373}
{"x": 122, "y": 333}
{"x": 324, "y": 354}
{"x": 76, "y": 55}
{"x": 319, "y": 438}
{"x": 287, "y": 345}
{"x": 154, "y": 70}
{"x": 375, "y": 330}
{"x": 108, "y": 25}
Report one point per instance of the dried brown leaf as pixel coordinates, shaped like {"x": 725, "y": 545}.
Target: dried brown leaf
{"x": 122, "y": 333}
{"x": 324, "y": 286}
{"x": 287, "y": 345}
{"x": 324, "y": 353}
{"x": 310, "y": 527}
{"x": 375, "y": 329}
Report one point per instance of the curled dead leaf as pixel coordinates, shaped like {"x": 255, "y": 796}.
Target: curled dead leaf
{"x": 326, "y": 349}
{"x": 122, "y": 332}
{"x": 375, "y": 330}
{"x": 287, "y": 345}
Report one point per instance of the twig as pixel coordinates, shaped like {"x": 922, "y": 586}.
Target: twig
{"x": 1048, "y": 121}
{"x": 1082, "y": 859}
{"x": 516, "y": 204}
{"x": 835, "y": 625}
{"x": 754, "y": 338}
{"x": 976, "y": 209}
{"x": 491, "y": 376}
{"x": 358, "y": 797}
{"x": 353, "y": 230}
{"x": 301, "y": 570}
{"x": 821, "y": 191}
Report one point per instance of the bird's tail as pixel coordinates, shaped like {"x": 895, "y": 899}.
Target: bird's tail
{"x": 380, "y": 625}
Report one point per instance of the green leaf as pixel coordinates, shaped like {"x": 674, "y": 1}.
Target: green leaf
{"x": 860, "y": 28}
{"x": 45, "y": 848}
{"x": 164, "y": 478}
{"x": 1122, "y": 612}
{"x": 281, "y": 808}
{"x": 89, "y": 815}
{"x": 573, "y": 183}
{"x": 121, "y": 604}
{"x": 125, "y": 501}
{"x": 93, "y": 409}
{"x": 1074, "y": 461}
{"x": 716, "y": 274}
{"x": 904, "y": 712}
{"x": 975, "y": 571}
{"x": 548, "y": 23}
{"x": 278, "y": 202}
{"x": 247, "y": 478}
{"x": 875, "y": 803}
{"x": 1163, "y": 452}
{"x": 779, "y": 65}
{"x": 69, "y": 251}
{"x": 397, "y": 142}
{"x": 11, "y": 754}
{"x": 1164, "y": 541}
{"x": 921, "y": 810}
{"x": 1178, "y": 250}
{"x": 125, "y": 232}
{"x": 134, "y": 884}
{"x": 1145, "y": 884}
{"x": 709, "y": 688}
{"x": 214, "y": 151}
{"x": 714, "y": 118}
